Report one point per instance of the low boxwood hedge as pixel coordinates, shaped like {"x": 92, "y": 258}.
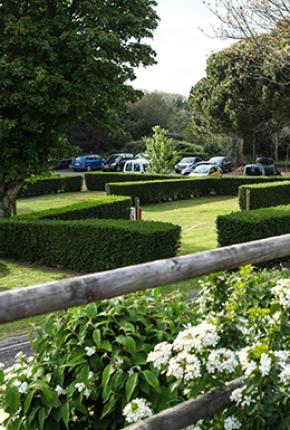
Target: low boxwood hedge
{"x": 265, "y": 195}
{"x": 52, "y": 185}
{"x": 108, "y": 207}
{"x": 87, "y": 245}
{"x": 245, "y": 226}
{"x": 96, "y": 181}
{"x": 178, "y": 189}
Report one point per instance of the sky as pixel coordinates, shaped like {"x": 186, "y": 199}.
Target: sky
{"x": 182, "y": 49}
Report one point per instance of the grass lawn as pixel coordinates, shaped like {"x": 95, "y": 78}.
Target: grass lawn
{"x": 196, "y": 217}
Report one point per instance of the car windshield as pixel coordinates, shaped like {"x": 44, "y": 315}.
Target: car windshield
{"x": 202, "y": 169}
{"x": 113, "y": 158}
{"x": 81, "y": 158}
{"x": 216, "y": 159}
{"x": 188, "y": 160}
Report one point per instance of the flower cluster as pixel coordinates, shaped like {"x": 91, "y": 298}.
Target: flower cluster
{"x": 282, "y": 292}
{"x": 137, "y": 410}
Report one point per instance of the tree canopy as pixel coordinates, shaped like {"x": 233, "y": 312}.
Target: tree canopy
{"x": 63, "y": 62}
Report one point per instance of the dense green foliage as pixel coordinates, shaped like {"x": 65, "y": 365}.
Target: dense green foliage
{"x": 160, "y": 151}
{"x": 107, "y": 207}
{"x": 103, "y": 359}
{"x": 52, "y": 185}
{"x": 265, "y": 195}
{"x": 87, "y": 245}
{"x": 245, "y": 226}
{"x": 186, "y": 188}
{"x": 63, "y": 62}
{"x": 119, "y": 333}
{"x": 96, "y": 181}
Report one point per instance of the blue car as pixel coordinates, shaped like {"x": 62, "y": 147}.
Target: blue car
{"x": 87, "y": 163}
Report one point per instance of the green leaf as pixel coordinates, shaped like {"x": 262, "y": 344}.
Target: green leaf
{"x": 131, "y": 385}
{"x": 107, "y": 372}
{"x": 28, "y": 401}
{"x": 152, "y": 380}
{"x": 12, "y": 399}
{"x": 106, "y": 346}
{"x": 64, "y": 413}
{"x": 109, "y": 406}
{"x": 97, "y": 337}
{"x": 49, "y": 397}
{"x": 129, "y": 344}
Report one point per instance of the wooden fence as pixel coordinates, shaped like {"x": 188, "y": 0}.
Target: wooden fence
{"x": 59, "y": 295}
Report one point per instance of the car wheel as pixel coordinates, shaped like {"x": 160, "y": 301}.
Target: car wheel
{"x": 89, "y": 169}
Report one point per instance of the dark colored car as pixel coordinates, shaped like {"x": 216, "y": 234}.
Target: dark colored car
{"x": 65, "y": 163}
{"x": 225, "y": 163}
{"x": 86, "y": 163}
{"x": 261, "y": 170}
{"x": 116, "y": 162}
{"x": 186, "y": 162}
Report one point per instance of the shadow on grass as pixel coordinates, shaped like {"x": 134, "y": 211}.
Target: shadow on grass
{"x": 4, "y": 270}
{"x": 183, "y": 204}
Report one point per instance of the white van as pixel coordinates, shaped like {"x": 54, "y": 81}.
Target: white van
{"x": 136, "y": 166}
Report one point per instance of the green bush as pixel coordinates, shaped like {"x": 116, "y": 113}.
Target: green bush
{"x": 51, "y": 185}
{"x": 95, "y": 364}
{"x": 96, "y": 181}
{"x": 178, "y": 189}
{"x": 110, "y": 207}
{"x": 245, "y": 226}
{"x": 265, "y": 195}
{"x": 87, "y": 245}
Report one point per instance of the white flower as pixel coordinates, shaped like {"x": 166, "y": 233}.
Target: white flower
{"x": 175, "y": 368}
{"x": 282, "y": 356}
{"x": 285, "y": 374}
{"x": 87, "y": 392}
{"x": 137, "y": 410}
{"x": 232, "y": 423}
{"x": 247, "y": 365}
{"x": 265, "y": 364}
{"x": 236, "y": 396}
{"x": 195, "y": 426}
{"x": 90, "y": 350}
{"x": 3, "y": 416}
{"x": 130, "y": 372}
{"x": 160, "y": 355}
{"x": 222, "y": 360}
{"x": 197, "y": 338}
{"x": 80, "y": 386}
{"x": 60, "y": 391}
{"x": 282, "y": 292}
{"x": 193, "y": 368}
{"x": 90, "y": 375}
{"x": 23, "y": 388}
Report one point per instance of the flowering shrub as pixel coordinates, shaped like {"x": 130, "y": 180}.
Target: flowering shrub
{"x": 242, "y": 330}
{"x": 90, "y": 362}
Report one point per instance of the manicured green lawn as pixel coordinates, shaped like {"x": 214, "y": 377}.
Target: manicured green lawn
{"x": 196, "y": 217}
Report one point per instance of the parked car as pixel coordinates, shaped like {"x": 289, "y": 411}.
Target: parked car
{"x": 225, "y": 163}
{"x": 206, "y": 169}
{"x": 86, "y": 163}
{"x": 139, "y": 165}
{"x": 65, "y": 163}
{"x": 261, "y": 170}
{"x": 116, "y": 162}
{"x": 186, "y": 162}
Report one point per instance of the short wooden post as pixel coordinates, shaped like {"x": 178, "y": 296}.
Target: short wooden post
{"x": 248, "y": 200}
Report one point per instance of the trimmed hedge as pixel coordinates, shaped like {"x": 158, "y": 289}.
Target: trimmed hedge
{"x": 245, "y": 226}
{"x": 87, "y": 245}
{"x": 96, "y": 181}
{"x": 52, "y": 185}
{"x": 162, "y": 191}
{"x": 265, "y": 195}
{"x": 113, "y": 207}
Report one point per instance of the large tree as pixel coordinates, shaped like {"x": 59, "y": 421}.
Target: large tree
{"x": 63, "y": 62}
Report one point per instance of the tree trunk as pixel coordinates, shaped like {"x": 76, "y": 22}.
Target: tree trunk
{"x": 8, "y": 198}
{"x": 276, "y": 146}
{"x": 254, "y": 147}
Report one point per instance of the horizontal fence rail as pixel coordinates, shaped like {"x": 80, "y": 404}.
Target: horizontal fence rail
{"x": 180, "y": 416}
{"x": 67, "y": 293}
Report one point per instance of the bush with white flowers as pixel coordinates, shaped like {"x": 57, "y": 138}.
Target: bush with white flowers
{"x": 90, "y": 363}
{"x": 242, "y": 331}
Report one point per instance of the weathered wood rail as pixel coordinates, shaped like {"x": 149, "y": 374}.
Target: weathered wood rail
{"x": 59, "y": 295}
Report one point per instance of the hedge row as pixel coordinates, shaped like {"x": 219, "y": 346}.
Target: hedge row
{"x": 245, "y": 226}
{"x": 97, "y": 181}
{"x": 161, "y": 191}
{"x": 111, "y": 207}
{"x": 265, "y": 195}
{"x": 87, "y": 245}
{"x": 52, "y": 185}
